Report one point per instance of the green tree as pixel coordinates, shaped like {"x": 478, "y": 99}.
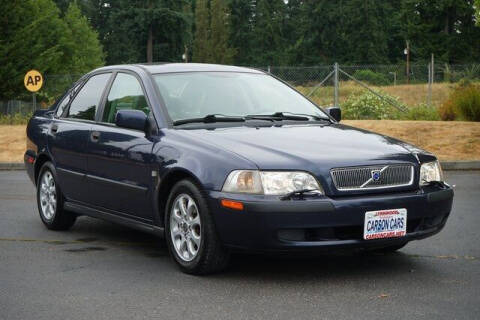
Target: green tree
{"x": 242, "y": 13}
{"x": 315, "y": 35}
{"x": 141, "y": 30}
{"x": 83, "y": 45}
{"x": 212, "y": 33}
{"x": 443, "y": 27}
{"x": 364, "y": 31}
{"x": 201, "y": 45}
{"x": 269, "y": 24}
{"x": 220, "y": 50}
{"x": 477, "y": 11}
{"x": 34, "y": 36}
{"x": 32, "y": 39}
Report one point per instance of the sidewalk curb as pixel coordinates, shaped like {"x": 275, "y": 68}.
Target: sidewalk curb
{"x": 460, "y": 165}
{"x": 12, "y": 166}
{"x": 446, "y": 165}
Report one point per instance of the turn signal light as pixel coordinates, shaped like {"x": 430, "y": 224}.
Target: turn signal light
{"x": 230, "y": 204}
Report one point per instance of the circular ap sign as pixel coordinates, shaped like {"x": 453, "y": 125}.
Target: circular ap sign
{"x": 33, "y": 80}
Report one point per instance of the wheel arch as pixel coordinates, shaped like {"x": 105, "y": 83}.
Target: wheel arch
{"x": 166, "y": 184}
{"x": 41, "y": 159}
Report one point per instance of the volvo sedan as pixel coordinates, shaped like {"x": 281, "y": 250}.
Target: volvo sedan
{"x": 219, "y": 159}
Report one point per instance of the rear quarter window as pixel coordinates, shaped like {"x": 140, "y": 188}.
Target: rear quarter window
{"x": 85, "y": 104}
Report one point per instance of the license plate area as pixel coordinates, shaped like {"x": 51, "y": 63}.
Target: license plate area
{"x": 382, "y": 224}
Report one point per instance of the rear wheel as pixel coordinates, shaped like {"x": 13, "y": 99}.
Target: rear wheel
{"x": 50, "y": 200}
{"x": 190, "y": 232}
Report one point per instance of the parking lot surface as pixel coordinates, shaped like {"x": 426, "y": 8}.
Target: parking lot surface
{"x": 99, "y": 270}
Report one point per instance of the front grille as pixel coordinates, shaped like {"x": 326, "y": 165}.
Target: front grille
{"x": 372, "y": 177}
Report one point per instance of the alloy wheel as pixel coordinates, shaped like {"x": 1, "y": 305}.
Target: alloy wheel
{"x": 48, "y": 195}
{"x": 185, "y": 227}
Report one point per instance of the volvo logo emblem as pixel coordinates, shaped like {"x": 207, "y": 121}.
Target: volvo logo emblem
{"x": 376, "y": 175}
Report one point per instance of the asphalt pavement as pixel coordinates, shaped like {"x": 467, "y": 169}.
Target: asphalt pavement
{"x": 99, "y": 270}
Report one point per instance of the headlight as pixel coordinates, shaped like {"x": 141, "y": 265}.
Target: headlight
{"x": 243, "y": 181}
{"x": 269, "y": 182}
{"x": 430, "y": 171}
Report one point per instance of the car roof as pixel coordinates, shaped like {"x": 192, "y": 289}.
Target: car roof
{"x": 182, "y": 67}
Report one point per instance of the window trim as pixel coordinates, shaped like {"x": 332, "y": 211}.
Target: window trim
{"x": 85, "y": 80}
{"x": 101, "y": 109}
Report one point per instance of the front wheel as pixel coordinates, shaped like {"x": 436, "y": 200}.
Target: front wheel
{"x": 190, "y": 232}
{"x": 50, "y": 200}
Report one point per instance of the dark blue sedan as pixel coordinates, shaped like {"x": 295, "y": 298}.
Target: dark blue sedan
{"x": 220, "y": 159}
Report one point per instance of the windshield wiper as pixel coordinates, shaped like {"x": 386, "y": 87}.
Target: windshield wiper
{"x": 279, "y": 116}
{"x": 313, "y": 116}
{"x": 211, "y": 118}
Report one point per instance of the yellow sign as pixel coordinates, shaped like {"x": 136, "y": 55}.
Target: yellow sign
{"x": 33, "y": 80}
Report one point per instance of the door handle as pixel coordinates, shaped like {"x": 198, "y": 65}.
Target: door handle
{"x": 95, "y": 136}
{"x": 54, "y": 128}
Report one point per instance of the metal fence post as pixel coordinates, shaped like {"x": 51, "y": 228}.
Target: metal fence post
{"x": 433, "y": 68}
{"x": 335, "y": 79}
{"x": 430, "y": 80}
{"x": 394, "y": 77}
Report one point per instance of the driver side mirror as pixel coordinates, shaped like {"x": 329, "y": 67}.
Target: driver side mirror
{"x": 131, "y": 119}
{"x": 335, "y": 113}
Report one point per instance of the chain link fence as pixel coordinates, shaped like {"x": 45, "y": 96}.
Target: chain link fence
{"x": 419, "y": 86}
{"x": 54, "y": 85}
{"x": 422, "y": 85}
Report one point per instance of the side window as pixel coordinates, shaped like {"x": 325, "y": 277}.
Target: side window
{"x": 86, "y": 102}
{"x": 66, "y": 99}
{"x": 126, "y": 93}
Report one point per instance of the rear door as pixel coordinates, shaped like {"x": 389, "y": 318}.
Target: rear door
{"x": 120, "y": 161}
{"x": 69, "y": 133}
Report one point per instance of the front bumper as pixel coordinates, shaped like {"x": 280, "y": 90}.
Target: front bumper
{"x": 269, "y": 224}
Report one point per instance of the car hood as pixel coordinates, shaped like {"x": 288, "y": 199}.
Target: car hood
{"x": 308, "y": 147}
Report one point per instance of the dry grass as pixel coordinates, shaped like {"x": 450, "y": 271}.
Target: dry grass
{"x": 409, "y": 94}
{"x": 449, "y": 140}
{"x": 413, "y": 94}
{"x": 12, "y": 143}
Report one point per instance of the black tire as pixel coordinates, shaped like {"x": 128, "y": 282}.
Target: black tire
{"x": 61, "y": 219}
{"x": 390, "y": 249}
{"x": 211, "y": 256}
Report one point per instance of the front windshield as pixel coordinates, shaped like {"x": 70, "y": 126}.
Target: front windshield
{"x": 198, "y": 94}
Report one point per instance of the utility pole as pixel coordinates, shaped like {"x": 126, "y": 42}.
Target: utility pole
{"x": 407, "y": 52}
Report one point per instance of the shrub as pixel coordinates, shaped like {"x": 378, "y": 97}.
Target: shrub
{"x": 371, "y": 77}
{"x": 463, "y": 103}
{"x": 17, "y": 118}
{"x": 420, "y": 112}
{"x": 368, "y": 106}
{"x": 447, "y": 111}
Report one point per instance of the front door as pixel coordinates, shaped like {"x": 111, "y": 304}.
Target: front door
{"x": 69, "y": 133}
{"x": 120, "y": 161}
